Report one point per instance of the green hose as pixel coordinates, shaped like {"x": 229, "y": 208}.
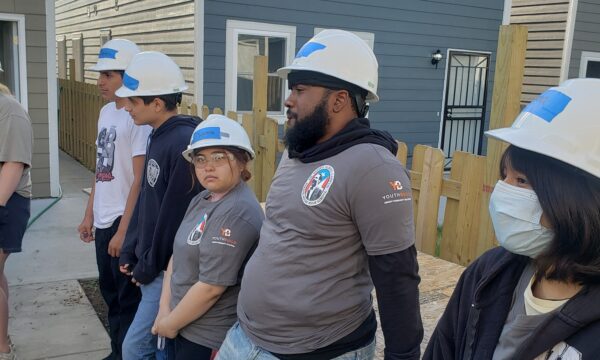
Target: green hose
{"x": 33, "y": 219}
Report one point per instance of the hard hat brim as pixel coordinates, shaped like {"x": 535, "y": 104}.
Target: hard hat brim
{"x": 284, "y": 71}
{"x": 124, "y": 92}
{"x": 539, "y": 143}
{"x": 187, "y": 153}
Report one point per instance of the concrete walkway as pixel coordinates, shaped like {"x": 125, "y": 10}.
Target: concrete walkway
{"x": 50, "y": 317}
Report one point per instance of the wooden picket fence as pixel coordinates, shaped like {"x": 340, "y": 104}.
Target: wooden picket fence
{"x": 80, "y": 104}
{"x": 459, "y": 241}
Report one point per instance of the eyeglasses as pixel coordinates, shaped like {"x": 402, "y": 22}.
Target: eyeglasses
{"x": 216, "y": 159}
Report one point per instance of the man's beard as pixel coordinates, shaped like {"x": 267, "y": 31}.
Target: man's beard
{"x": 305, "y": 133}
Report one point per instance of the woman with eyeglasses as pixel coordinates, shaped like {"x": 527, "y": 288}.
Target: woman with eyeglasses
{"x": 537, "y": 296}
{"x": 215, "y": 239}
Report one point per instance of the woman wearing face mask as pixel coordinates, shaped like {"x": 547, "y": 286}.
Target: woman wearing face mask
{"x": 538, "y": 295}
{"x": 215, "y": 239}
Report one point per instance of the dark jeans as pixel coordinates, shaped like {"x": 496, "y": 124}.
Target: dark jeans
{"x": 121, "y": 296}
{"x": 187, "y": 350}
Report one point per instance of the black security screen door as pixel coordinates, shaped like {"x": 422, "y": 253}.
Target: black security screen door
{"x": 464, "y": 106}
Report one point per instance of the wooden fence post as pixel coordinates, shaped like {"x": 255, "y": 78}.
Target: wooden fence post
{"x": 232, "y": 115}
{"x": 72, "y": 69}
{"x": 428, "y": 202}
{"x": 402, "y": 153}
{"x": 205, "y": 112}
{"x": 248, "y": 125}
{"x": 259, "y": 113}
{"x": 462, "y": 215}
{"x": 506, "y": 105}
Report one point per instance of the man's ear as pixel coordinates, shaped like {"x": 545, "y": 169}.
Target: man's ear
{"x": 158, "y": 104}
{"x": 341, "y": 100}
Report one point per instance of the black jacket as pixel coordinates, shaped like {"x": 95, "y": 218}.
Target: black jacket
{"x": 166, "y": 192}
{"x": 473, "y": 320}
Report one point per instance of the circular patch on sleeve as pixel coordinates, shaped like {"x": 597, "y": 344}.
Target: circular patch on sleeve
{"x": 152, "y": 172}
{"x": 317, "y": 185}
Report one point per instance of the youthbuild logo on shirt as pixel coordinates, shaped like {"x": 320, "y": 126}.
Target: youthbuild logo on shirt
{"x": 317, "y": 185}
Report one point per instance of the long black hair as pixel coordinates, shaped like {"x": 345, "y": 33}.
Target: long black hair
{"x": 570, "y": 199}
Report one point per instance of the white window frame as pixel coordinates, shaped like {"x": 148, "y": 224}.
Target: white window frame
{"x": 236, "y": 28}
{"x": 22, "y": 47}
{"x": 368, "y": 37}
{"x": 587, "y": 56}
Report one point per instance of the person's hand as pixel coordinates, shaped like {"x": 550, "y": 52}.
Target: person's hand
{"x": 115, "y": 244}
{"x": 163, "y": 328}
{"x": 125, "y": 269}
{"x": 85, "y": 230}
{"x": 163, "y": 312}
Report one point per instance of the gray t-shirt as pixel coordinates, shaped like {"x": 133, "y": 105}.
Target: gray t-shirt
{"x": 212, "y": 245}
{"x": 308, "y": 284}
{"x": 518, "y": 326}
{"x": 16, "y": 139}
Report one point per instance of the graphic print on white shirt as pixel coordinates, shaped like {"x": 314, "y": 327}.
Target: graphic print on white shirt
{"x": 105, "y": 157}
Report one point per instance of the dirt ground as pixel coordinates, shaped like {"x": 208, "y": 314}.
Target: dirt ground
{"x": 92, "y": 291}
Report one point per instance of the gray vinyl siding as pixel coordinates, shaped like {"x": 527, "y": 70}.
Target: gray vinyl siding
{"x": 166, "y": 26}
{"x": 35, "y": 35}
{"x": 586, "y": 36}
{"x": 406, "y": 33}
{"x": 546, "y": 22}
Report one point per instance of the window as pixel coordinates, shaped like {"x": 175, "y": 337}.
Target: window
{"x": 245, "y": 40}
{"x": 13, "y": 55}
{"x": 590, "y": 65}
{"x": 368, "y": 37}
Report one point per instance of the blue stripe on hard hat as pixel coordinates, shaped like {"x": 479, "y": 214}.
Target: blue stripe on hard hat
{"x": 309, "y": 48}
{"x": 548, "y": 105}
{"x": 130, "y": 83}
{"x": 206, "y": 133}
{"x": 107, "y": 53}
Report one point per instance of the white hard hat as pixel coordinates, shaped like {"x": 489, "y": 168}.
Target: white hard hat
{"x": 115, "y": 55}
{"x": 218, "y": 130}
{"x": 151, "y": 73}
{"x": 339, "y": 54}
{"x": 562, "y": 123}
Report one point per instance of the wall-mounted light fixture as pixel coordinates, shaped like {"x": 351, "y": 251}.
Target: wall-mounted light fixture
{"x": 436, "y": 57}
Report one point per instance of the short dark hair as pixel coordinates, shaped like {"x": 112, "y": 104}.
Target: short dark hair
{"x": 570, "y": 199}
{"x": 120, "y": 72}
{"x": 171, "y": 100}
{"x": 356, "y": 93}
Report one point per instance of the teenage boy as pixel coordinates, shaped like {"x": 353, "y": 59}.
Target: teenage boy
{"x": 153, "y": 85}
{"x": 121, "y": 146}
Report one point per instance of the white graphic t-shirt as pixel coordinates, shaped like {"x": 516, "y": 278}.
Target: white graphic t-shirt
{"x": 118, "y": 141}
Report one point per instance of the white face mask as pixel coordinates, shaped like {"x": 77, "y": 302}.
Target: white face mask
{"x": 516, "y": 214}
